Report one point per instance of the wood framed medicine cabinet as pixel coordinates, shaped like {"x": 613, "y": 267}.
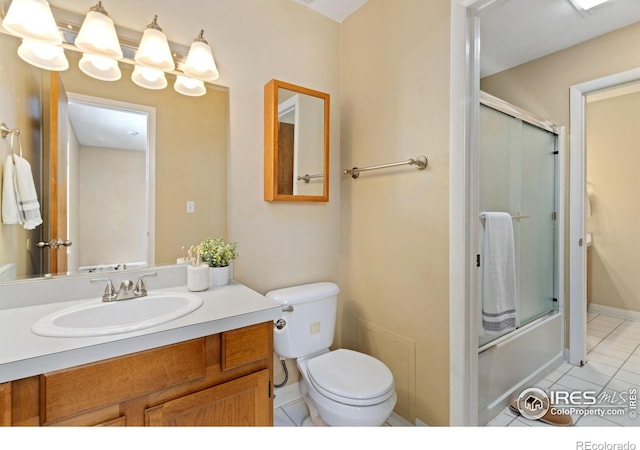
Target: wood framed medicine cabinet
{"x": 296, "y": 143}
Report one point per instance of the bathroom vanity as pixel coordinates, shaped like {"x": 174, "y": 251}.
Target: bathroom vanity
{"x": 211, "y": 367}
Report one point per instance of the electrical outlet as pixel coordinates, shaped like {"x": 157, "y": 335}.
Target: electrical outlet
{"x": 191, "y": 206}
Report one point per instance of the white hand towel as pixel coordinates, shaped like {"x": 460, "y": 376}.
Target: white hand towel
{"x": 27, "y": 197}
{"x": 498, "y": 273}
{"x": 10, "y": 213}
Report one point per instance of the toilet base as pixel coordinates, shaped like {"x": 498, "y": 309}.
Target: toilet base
{"x": 342, "y": 415}
{"x": 314, "y": 419}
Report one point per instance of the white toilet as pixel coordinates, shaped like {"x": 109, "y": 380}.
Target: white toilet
{"x": 340, "y": 387}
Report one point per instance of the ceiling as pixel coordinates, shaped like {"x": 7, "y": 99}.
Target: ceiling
{"x": 100, "y": 126}
{"x": 337, "y": 10}
{"x": 516, "y": 31}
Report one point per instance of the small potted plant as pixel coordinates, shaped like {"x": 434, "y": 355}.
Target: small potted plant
{"x": 218, "y": 255}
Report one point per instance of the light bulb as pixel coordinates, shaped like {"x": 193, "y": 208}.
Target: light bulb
{"x": 189, "y": 86}
{"x": 149, "y": 78}
{"x": 32, "y": 19}
{"x": 99, "y": 67}
{"x": 98, "y": 34}
{"x": 154, "y": 49}
{"x": 43, "y": 55}
{"x": 200, "y": 63}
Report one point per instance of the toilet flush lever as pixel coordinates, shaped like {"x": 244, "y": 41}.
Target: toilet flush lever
{"x": 287, "y": 308}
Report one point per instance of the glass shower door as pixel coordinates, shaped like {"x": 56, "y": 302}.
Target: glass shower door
{"x": 518, "y": 176}
{"x": 537, "y": 232}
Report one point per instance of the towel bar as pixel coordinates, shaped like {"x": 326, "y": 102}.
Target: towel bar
{"x": 307, "y": 178}
{"x": 512, "y": 218}
{"x": 420, "y": 162}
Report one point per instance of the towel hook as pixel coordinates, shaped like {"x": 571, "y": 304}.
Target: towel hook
{"x": 19, "y": 143}
{"x": 5, "y": 130}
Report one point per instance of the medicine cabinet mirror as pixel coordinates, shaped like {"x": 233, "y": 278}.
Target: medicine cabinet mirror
{"x": 296, "y": 144}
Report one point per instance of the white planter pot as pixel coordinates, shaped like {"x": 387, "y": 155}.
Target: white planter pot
{"x": 218, "y": 276}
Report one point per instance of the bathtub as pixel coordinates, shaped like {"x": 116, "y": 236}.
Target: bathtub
{"x": 517, "y": 361}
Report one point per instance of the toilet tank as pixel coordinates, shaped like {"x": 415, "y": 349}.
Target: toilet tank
{"x": 310, "y": 314}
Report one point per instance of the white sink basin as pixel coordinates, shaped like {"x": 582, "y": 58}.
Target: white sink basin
{"x": 98, "y": 318}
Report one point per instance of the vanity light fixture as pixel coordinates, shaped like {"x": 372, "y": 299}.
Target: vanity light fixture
{"x": 153, "y": 51}
{"x": 585, "y": 5}
{"x": 189, "y": 86}
{"x": 200, "y": 63}
{"x": 33, "y": 21}
{"x": 43, "y": 37}
{"x": 98, "y": 40}
{"x": 149, "y": 78}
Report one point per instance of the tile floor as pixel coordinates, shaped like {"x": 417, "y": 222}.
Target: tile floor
{"x": 293, "y": 414}
{"x": 613, "y": 365}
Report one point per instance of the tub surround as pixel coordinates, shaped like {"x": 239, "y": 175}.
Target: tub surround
{"x": 25, "y": 354}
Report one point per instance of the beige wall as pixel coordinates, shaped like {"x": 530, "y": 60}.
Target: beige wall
{"x": 542, "y": 86}
{"x": 114, "y": 177}
{"x": 613, "y": 164}
{"x": 395, "y": 102}
{"x": 20, "y": 107}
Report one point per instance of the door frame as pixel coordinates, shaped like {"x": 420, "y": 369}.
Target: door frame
{"x": 150, "y": 196}
{"x": 463, "y": 128}
{"x": 577, "y": 234}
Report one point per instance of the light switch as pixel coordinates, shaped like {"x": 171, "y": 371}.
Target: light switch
{"x": 191, "y": 206}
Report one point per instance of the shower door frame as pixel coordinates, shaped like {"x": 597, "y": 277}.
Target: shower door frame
{"x": 504, "y": 107}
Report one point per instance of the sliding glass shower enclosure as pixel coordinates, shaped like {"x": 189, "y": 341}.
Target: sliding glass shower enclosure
{"x": 518, "y": 175}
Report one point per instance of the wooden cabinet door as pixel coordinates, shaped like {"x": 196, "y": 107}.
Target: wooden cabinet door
{"x": 5, "y": 404}
{"x": 242, "y": 402}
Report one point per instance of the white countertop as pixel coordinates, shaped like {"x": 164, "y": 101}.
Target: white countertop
{"x": 23, "y": 353}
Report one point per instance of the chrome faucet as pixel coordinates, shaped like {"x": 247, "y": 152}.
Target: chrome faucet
{"x": 126, "y": 291}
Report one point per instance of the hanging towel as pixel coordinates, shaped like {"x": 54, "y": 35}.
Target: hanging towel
{"x": 26, "y": 195}
{"x": 10, "y": 213}
{"x": 498, "y": 273}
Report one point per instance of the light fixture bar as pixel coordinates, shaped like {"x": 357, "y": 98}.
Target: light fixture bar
{"x": 69, "y": 23}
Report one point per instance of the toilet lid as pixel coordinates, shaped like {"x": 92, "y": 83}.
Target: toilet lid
{"x": 350, "y": 377}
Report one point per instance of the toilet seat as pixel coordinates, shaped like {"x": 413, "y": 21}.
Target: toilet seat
{"x": 350, "y": 377}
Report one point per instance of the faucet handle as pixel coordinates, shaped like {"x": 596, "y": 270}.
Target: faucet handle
{"x": 109, "y": 291}
{"x": 126, "y": 286}
{"x": 141, "y": 289}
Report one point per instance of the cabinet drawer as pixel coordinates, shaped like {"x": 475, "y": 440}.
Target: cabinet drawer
{"x": 72, "y": 391}
{"x": 241, "y": 402}
{"x": 246, "y": 345}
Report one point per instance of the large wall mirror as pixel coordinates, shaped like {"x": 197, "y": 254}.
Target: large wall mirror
{"x": 119, "y": 194}
{"x": 296, "y": 164}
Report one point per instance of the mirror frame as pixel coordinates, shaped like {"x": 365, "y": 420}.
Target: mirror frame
{"x": 271, "y": 142}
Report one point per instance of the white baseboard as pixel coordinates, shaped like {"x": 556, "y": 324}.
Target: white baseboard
{"x": 287, "y": 394}
{"x": 614, "y": 312}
